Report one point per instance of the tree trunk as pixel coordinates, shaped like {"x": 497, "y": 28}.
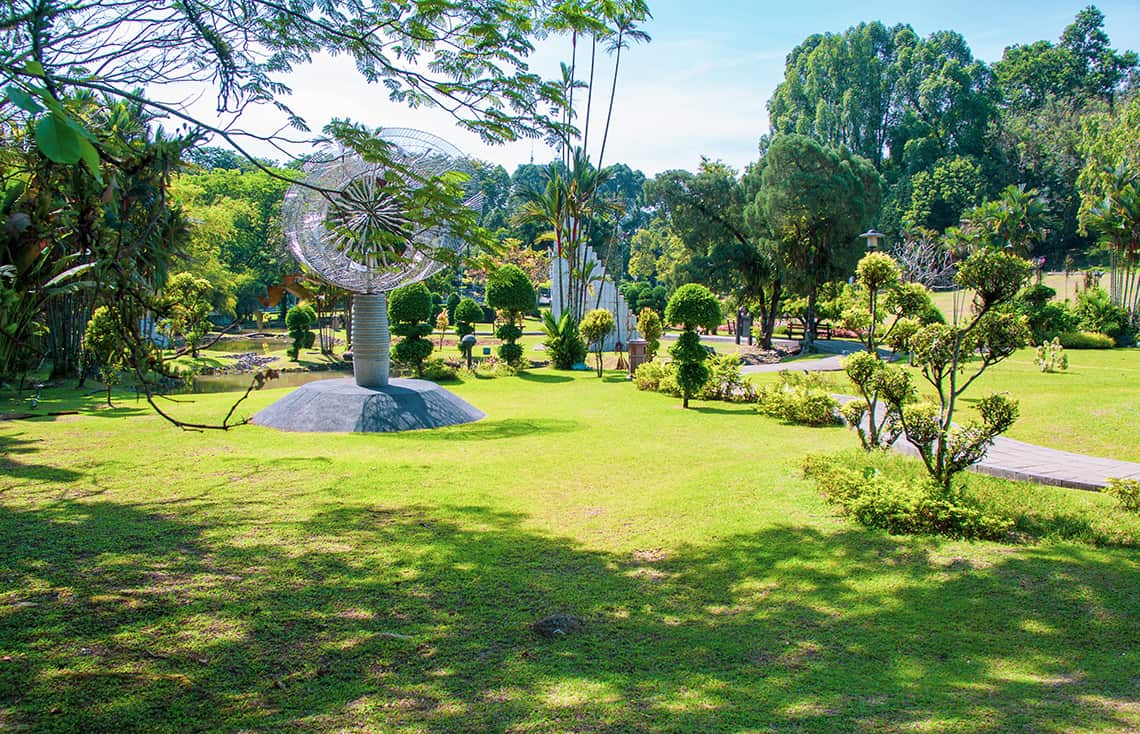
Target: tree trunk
{"x": 808, "y": 345}
{"x": 771, "y": 312}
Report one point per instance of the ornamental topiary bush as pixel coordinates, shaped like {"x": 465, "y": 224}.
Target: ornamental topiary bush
{"x": 1086, "y": 340}
{"x": 300, "y": 321}
{"x": 650, "y": 328}
{"x": 693, "y": 306}
{"x": 467, "y": 314}
{"x": 510, "y": 291}
{"x": 409, "y": 313}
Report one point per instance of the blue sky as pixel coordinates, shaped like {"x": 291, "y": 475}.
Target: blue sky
{"x": 700, "y": 87}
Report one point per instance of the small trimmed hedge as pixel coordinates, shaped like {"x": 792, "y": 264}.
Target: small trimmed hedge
{"x": 799, "y": 397}
{"x": 1086, "y": 340}
{"x": 900, "y": 506}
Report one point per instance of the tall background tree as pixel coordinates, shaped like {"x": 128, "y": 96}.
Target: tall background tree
{"x": 816, "y": 201}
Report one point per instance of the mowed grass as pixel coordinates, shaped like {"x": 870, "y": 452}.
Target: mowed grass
{"x": 156, "y": 580}
{"x": 1091, "y": 408}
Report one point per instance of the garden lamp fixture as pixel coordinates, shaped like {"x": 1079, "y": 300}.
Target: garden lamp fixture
{"x": 872, "y": 236}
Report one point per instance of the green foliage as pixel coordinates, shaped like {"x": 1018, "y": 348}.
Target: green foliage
{"x": 650, "y": 328}
{"x": 942, "y": 353}
{"x": 1051, "y": 357}
{"x": 648, "y": 376}
{"x": 1096, "y": 312}
{"x": 410, "y": 304}
{"x": 881, "y": 387}
{"x": 563, "y": 342}
{"x": 995, "y": 276}
{"x": 687, "y": 352}
{"x": 1045, "y": 318}
{"x": 103, "y": 346}
{"x": 1086, "y": 340}
{"x": 799, "y": 397}
{"x": 1126, "y": 492}
{"x": 410, "y": 313}
{"x": 511, "y": 353}
{"x": 816, "y": 200}
{"x": 300, "y": 321}
{"x": 726, "y": 382}
{"x": 900, "y": 506}
{"x": 452, "y": 303}
{"x": 595, "y": 327}
{"x": 467, "y": 314}
{"x": 509, "y": 289}
{"x": 693, "y": 306}
{"x": 186, "y": 308}
{"x": 437, "y": 370}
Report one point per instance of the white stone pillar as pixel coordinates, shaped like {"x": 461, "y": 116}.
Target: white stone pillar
{"x": 371, "y": 343}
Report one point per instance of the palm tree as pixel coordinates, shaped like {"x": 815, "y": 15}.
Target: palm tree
{"x": 549, "y": 207}
{"x": 627, "y": 31}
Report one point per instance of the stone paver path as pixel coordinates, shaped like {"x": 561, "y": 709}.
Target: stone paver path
{"x": 1007, "y": 458}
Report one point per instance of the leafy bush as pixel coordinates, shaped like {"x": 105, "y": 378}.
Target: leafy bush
{"x": 799, "y": 397}
{"x": 410, "y": 313}
{"x": 1046, "y": 318}
{"x": 648, "y": 376}
{"x": 669, "y": 384}
{"x": 1086, "y": 340}
{"x": 563, "y": 342}
{"x": 438, "y": 370}
{"x": 1126, "y": 492}
{"x": 467, "y": 313}
{"x": 1051, "y": 357}
{"x": 649, "y": 326}
{"x": 300, "y": 321}
{"x": 1096, "y": 312}
{"x": 901, "y": 506}
{"x": 510, "y": 290}
{"x": 725, "y": 381}
{"x": 595, "y": 327}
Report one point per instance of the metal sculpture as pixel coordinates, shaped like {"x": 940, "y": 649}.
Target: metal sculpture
{"x": 361, "y": 226}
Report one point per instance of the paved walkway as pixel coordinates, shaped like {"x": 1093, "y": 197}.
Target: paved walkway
{"x": 1007, "y": 458}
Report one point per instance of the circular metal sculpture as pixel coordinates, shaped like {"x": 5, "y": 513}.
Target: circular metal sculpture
{"x": 361, "y": 226}
{"x": 368, "y": 228}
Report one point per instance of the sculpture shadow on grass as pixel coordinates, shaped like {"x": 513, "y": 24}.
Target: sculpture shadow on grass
{"x": 119, "y": 619}
{"x": 495, "y": 430}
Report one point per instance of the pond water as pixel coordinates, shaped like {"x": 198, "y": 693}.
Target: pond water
{"x": 233, "y": 383}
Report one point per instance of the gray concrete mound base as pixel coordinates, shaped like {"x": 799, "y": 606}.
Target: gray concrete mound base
{"x": 342, "y": 406}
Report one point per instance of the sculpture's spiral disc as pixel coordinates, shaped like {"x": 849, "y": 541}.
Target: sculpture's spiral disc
{"x": 362, "y": 239}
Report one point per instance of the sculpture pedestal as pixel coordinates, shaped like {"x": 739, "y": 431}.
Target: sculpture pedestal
{"x": 342, "y": 406}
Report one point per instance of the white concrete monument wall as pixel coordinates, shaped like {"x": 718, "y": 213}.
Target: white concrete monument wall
{"x": 602, "y": 293}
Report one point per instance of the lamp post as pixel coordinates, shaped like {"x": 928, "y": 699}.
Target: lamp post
{"x": 872, "y": 236}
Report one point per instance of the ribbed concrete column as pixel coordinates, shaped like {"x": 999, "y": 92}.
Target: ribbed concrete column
{"x": 371, "y": 343}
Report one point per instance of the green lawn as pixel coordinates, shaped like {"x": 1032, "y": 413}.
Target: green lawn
{"x": 155, "y": 580}
{"x": 1093, "y": 408}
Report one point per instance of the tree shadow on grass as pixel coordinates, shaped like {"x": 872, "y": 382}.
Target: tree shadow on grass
{"x": 389, "y": 618}
{"x": 12, "y": 445}
{"x": 545, "y": 378}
